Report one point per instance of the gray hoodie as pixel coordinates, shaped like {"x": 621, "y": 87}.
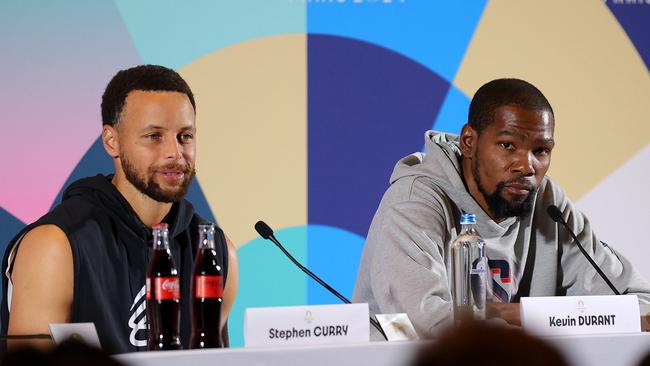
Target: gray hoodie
{"x": 406, "y": 257}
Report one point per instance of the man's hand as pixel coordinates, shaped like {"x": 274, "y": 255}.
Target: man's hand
{"x": 506, "y": 311}
{"x": 645, "y": 322}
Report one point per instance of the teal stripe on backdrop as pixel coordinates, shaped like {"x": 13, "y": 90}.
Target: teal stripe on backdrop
{"x": 433, "y": 33}
{"x": 206, "y": 25}
{"x": 268, "y": 278}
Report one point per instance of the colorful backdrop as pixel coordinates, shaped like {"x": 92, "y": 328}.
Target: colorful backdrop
{"x": 304, "y": 107}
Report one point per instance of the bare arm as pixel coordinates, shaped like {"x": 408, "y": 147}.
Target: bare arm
{"x": 232, "y": 282}
{"x": 42, "y": 280}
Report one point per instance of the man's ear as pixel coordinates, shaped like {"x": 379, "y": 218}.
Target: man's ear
{"x": 468, "y": 141}
{"x": 111, "y": 141}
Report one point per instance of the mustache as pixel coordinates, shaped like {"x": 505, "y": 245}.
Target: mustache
{"x": 185, "y": 168}
{"x": 522, "y": 182}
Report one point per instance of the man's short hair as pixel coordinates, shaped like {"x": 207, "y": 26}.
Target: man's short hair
{"x": 143, "y": 78}
{"x": 502, "y": 92}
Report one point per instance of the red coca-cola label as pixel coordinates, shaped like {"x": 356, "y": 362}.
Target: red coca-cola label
{"x": 164, "y": 288}
{"x": 208, "y": 287}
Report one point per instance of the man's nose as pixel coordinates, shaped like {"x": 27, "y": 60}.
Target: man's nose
{"x": 524, "y": 164}
{"x": 173, "y": 149}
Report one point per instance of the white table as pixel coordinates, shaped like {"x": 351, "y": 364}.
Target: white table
{"x": 596, "y": 350}
{"x": 593, "y": 350}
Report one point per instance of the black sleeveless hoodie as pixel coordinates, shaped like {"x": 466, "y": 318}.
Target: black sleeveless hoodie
{"x": 111, "y": 249}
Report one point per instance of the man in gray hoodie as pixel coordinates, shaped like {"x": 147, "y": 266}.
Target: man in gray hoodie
{"x": 495, "y": 169}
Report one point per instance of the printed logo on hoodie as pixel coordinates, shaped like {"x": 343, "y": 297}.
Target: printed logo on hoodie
{"x": 138, "y": 319}
{"x": 503, "y": 286}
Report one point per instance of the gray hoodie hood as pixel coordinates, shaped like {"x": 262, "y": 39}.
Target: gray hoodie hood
{"x": 441, "y": 164}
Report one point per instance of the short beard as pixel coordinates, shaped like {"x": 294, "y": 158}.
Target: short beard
{"x": 149, "y": 186}
{"x": 499, "y": 206}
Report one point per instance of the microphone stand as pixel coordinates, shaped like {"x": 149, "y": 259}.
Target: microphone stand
{"x": 266, "y": 233}
{"x": 556, "y": 215}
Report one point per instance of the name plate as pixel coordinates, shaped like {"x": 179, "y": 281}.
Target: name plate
{"x": 572, "y": 315}
{"x": 81, "y": 332}
{"x": 317, "y": 324}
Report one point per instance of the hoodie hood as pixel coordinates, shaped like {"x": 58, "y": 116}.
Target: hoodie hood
{"x": 441, "y": 148}
{"x": 441, "y": 163}
{"x": 100, "y": 190}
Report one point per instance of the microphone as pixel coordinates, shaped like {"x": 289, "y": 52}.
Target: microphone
{"x": 556, "y": 215}
{"x": 264, "y": 230}
{"x": 267, "y": 233}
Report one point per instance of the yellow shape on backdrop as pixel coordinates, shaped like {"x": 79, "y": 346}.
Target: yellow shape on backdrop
{"x": 577, "y": 53}
{"x": 252, "y": 133}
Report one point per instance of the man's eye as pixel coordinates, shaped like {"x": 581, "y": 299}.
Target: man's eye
{"x": 153, "y": 136}
{"x": 186, "y": 137}
{"x": 542, "y": 151}
{"x": 507, "y": 145}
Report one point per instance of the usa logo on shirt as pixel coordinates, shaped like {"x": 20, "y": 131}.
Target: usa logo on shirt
{"x": 503, "y": 287}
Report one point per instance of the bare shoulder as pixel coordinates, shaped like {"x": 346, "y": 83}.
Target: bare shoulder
{"x": 44, "y": 238}
{"x": 42, "y": 281}
{"x": 45, "y": 247}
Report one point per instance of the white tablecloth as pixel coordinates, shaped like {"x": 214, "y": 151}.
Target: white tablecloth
{"x": 595, "y": 350}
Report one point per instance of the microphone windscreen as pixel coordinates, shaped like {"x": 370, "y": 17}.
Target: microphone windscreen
{"x": 555, "y": 213}
{"x": 263, "y": 229}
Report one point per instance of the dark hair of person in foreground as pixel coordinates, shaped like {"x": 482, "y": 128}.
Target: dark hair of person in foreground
{"x": 645, "y": 361}
{"x": 69, "y": 353}
{"x": 481, "y": 344}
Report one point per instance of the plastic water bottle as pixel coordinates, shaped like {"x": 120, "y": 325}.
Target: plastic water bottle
{"x": 468, "y": 272}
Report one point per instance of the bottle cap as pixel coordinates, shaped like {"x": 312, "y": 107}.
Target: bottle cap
{"x": 468, "y": 219}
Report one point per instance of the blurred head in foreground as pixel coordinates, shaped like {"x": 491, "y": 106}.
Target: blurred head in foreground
{"x": 481, "y": 344}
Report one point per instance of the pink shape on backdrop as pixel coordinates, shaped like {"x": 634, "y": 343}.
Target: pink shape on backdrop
{"x": 44, "y": 151}
{"x": 44, "y": 142}
{"x": 54, "y": 71}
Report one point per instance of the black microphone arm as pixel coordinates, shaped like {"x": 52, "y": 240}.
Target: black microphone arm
{"x": 555, "y": 214}
{"x": 266, "y": 232}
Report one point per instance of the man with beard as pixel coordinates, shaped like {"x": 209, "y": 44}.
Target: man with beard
{"x": 495, "y": 169}
{"x": 86, "y": 260}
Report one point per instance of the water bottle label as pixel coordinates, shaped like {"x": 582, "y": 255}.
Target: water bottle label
{"x": 208, "y": 287}
{"x": 477, "y": 271}
{"x": 164, "y": 288}
{"x": 479, "y": 266}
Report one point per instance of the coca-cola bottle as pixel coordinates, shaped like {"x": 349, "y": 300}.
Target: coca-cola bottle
{"x": 163, "y": 295}
{"x": 207, "y": 293}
